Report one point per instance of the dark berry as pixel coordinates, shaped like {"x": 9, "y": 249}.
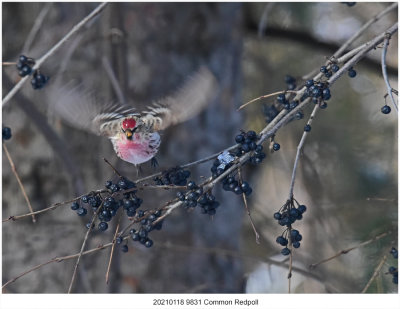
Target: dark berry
{"x": 281, "y": 240}
{"x": 84, "y": 199}
{"x": 108, "y": 183}
{"x": 6, "y": 133}
{"x": 294, "y": 104}
{"x": 285, "y": 251}
{"x": 103, "y": 226}
{"x": 386, "y": 109}
{"x": 323, "y": 105}
{"x": 286, "y": 106}
{"x": 289, "y": 79}
{"x": 323, "y": 69}
{"x": 238, "y": 190}
{"x": 307, "y": 128}
{"x": 118, "y": 240}
{"x": 281, "y": 98}
{"x": 251, "y": 135}
{"x": 23, "y": 59}
{"x": 148, "y": 243}
{"x": 246, "y": 147}
{"x": 88, "y": 225}
{"x": 132, "y": 231}
{"x": 25, "y": 70}
{"x": 81, "y": 212}
{"x": 335, "y": 67}
{"x": 352, "y": 73}
{"x": 135, "y": 236}
{"x": 309, "y": 83}
{"x": 191, "y": 185}
{"x": 245, "y": 186}
{"x": 296, "y": 244}
{"x": 276, "y": 146}
{"x": 299, "y": 115}
{"x": 392, "y": 269}
{"x": 259, "y": 148}
{"x": 328, "y": 74}
{"x": 302, "y": 208}
{"x": 277, "y": 216}
{"x": 74, "y": 206}
{"x": 124, "y": 248}
{"x": 143, "y": 233}
{"x": 239, "y": 138}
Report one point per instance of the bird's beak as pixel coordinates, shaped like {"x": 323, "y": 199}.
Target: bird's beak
{"x": 128, "y": 133}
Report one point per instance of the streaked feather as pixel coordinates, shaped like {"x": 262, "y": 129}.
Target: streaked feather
{"x": 82, "y": 109}
{"x": 187, "y": 102}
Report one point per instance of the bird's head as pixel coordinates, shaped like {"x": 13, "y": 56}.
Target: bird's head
{"x": 129, "y": 126}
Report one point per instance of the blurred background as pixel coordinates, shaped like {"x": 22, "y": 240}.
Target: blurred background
{"x": 347, "y": 174}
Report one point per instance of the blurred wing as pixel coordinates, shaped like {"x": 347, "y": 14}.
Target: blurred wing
{"x": 187, "y": 102}
{"x": 82, "y": 109}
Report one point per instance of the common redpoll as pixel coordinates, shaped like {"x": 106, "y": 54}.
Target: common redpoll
{"x": 134, "y": 135}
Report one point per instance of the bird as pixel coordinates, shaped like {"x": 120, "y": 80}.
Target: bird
{"x": 134, "y": 134}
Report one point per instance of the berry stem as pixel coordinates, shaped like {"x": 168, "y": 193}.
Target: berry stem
{"x": 83, "y": 247}
{"x": 112, "y": 248}
{"x": 266, "y": 96}
{"x": 384, "y": 72}
{"x": 299, "y": 150}
{"x": 14, "y": 170}
{"x": 375, "y": 274}
{"x": 247, "y": 209}
{"x": 367, "y": 242}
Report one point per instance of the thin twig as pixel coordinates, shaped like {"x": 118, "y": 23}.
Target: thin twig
{"x": 384, "y": 72}
{"x": 167, "y": 246}
{"x": 265, "y": 96}
{"x": 299, "y": 150}
{"x": 82, "y": 247}
{"x": 363, "y": 28}
{"x": 375, "y": 274}
{"x": 346, "y": 44}
{"x": 112, "y": 249}
{"x": 341, "y": 252}
{"x": 39, "y": 62}
{"x": 52, "y": 207}
{"x": 19, "y": 181}
{"x": 113, "y": 80}
{"x": 264, "y": 17}
{"x": 8, "y": 63}
{"x": 248, "y": 211}
{"x": 114, "y": 169}
{"x": 36, "y": 26}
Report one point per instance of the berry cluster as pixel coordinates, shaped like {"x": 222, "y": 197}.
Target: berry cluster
{"x": 110, "y": 203}
{"x": 270, "y": 112}
{"x": 146, "y": 226}
{"x": 231, "y": 184}
{"x": 318, "y": 91}
{"x": 195, "y": 196}
{"x": 39, "y": 80}
{"x": 290, "y": 82}
{"x": 286, "y": 216}
{"x": 329, "y": 70}
{"x": 351, "y": 72}
{"x": 295, "y": 238}
{"x": 248, "y": 142}
{"x": 6, "y": 133}
{"x": 174, "y": 176}
{"x": 24, "y": 65}
{"x": 393, "y": 270}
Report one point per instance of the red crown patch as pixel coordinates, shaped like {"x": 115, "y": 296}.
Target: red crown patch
{"x": 128, "y": 123}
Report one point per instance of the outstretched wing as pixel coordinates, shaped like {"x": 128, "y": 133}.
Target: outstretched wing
{"x": 187, "y": 102}
{"x": 82, "y": 109}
